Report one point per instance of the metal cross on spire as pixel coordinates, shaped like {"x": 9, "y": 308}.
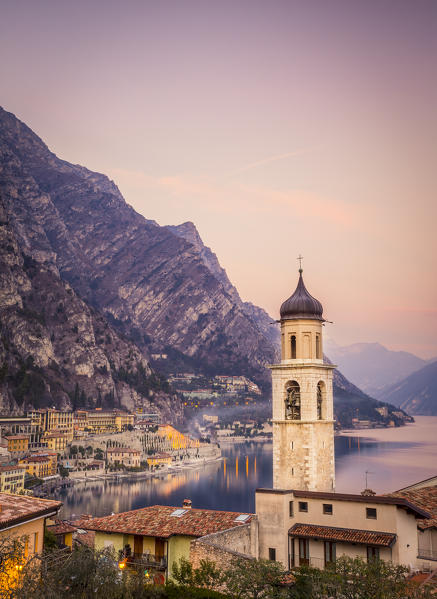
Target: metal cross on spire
{"x": 300, "y": 258}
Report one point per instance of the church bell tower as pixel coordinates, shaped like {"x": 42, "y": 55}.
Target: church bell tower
{"x": 303, "y": 424}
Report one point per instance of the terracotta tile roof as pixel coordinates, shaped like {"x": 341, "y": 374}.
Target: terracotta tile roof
{"x": 18, "y": 437}
{"x": 61, "y": 527}
{"x": 344, "y": 535}
{"x": 19, "y": 508}
{"x": 158, "y": 521}
{"x": 425, "y": 498}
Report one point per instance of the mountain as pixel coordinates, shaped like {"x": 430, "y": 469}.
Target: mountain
{"x": 54, "y": 348}
{"x": 90, "y": 289}
{"x": 148, "y": 281}
{"x": 371, "y": 366}
{"x": 417, "y": 393}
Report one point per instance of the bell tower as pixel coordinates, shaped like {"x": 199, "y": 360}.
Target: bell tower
{"x": 303, "y": 424}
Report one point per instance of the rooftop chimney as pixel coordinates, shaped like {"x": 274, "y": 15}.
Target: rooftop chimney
{"x": 186, "y": 504}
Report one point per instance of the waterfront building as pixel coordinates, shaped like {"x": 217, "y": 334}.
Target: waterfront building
{"x": 159, "y": 459}
{"x": 124, "y": 456}
{"x": 12, "y": 479}
{"x": 158, "y": 536}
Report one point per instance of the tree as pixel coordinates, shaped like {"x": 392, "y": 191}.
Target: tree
{"x": 64, "y": 472}
{"x": 253, "y": 579}
{"x": 353, "y": 578}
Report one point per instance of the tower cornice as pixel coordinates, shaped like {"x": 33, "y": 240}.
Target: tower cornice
{"x": 297, "y": 364}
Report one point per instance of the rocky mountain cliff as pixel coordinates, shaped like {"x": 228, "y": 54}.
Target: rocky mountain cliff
{"x": 417, "y": 393}
{"x": 148, "y": 281}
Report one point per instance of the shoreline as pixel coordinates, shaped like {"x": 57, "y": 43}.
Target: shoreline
{"x": 139, "y": 475}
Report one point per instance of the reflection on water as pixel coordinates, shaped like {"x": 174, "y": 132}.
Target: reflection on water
{"x": 393, "y": 458}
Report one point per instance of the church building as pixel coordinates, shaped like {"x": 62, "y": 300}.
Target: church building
{"x": 302, "y": 520}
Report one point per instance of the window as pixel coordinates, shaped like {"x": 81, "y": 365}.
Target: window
{"x": 290, "y": 509}
{"x": 292, "y": 401}
{"x": 303, "y": 506}
{"x": 272, "y": 554}
{"x": 319, "y": 400}
{"x": 304, "y": 552}
{"x": 330, "y": 552}
{"x": 293, "y": 347}
{"x": 372, "y": 553}
{"x": 371, "y": 513}
{"x": 327, "y": 508}
{"x": 35, "y": 542}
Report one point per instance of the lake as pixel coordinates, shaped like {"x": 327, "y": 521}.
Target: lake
{"x": 393, "y": 458}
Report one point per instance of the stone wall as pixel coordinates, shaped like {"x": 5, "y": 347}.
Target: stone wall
{"x": 223, "y": 547}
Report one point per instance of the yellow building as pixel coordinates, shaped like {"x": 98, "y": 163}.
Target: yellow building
{"x": 12, "y": 479}
{"x": 159, "y": 459}
{"x": 18, "y": 444}
{"x": 55, "y": 440}
{"x": 39, "y": 466}
{"x": 100, "y": 421}
{"x": 159, "y": 535}
{"x": 54, "y": 420}
{"x": 22, "y": 518}
{"x": 63, "y": 532}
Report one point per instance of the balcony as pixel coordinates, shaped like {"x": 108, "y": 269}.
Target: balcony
{"x": 147, "y": 560}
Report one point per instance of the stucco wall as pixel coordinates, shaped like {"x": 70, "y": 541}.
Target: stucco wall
{"x": 178, "y": 546}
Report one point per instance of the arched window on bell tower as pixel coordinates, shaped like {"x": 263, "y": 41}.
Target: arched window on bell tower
{"x": 292, "y": 401}
{"x": 293, "y": 347}
{"x": 320, "y": 399}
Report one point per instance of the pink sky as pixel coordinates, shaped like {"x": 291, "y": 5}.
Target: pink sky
{"x": 277, "y": 127}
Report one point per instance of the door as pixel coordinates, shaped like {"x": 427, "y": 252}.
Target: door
{"x": 290, "y": 552}
{"x": 159, "y": 549}
{"x": 138, "y": 545}
{"x": 329, "y": 552}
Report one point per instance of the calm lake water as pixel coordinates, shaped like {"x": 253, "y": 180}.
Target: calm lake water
{"x": 394, "y": 458}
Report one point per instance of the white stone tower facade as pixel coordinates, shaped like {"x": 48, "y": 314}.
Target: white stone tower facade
{"x": 303, "y": 424}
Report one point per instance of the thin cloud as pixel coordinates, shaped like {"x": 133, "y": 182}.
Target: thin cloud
{"x": 268, "y": 160}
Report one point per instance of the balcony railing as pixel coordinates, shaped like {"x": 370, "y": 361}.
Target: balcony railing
{"x": 147, "y": 560}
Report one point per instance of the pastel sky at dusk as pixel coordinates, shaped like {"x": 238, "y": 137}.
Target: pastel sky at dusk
{"x": 277, "y": 127}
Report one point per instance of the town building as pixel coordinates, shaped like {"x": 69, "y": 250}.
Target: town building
{"x": 23, "y": 518}
{"x": 100, "y": 421}
{"x": 39, "y": 466}
{"x": 63, "y": 532}
{"x": 50, "y": 420}
{"x": 424, "y": 495}
{"x": 158, "y": 536}
{"x": 306, "y": 527}
{"x": 18, "y": 445}
{"x": 124, "y": 456}
{"x": 12, "y": 479}
{"x": 159, "y": 459}
{"x": 55, "y": 440}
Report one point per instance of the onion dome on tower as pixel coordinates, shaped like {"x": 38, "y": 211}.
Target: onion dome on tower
{"x": 301, "y": 304}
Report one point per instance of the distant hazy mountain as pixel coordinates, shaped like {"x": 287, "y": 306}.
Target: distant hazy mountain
{"x": 417, "y": 393}
{"x": 371, "y": 366}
